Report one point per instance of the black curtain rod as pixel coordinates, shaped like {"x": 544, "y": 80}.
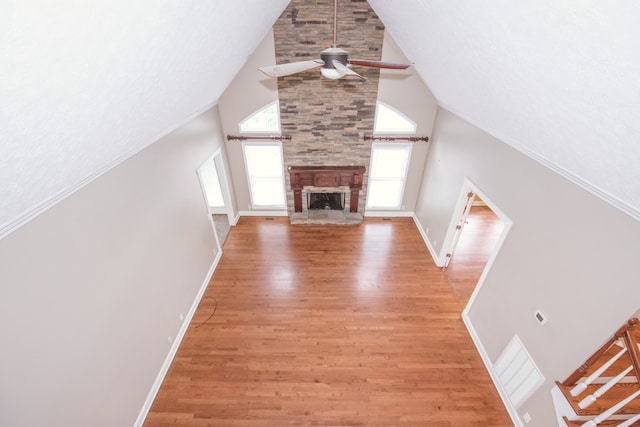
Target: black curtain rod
{"x": 396, "y": 138}
{"x": 271, "y": 138}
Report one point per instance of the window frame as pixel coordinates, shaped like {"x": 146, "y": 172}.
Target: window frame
{"x": 405, "y": 146}
{"x": 248, "y": 175}
{"x": 397, "y": 112}
{"x": 264, "y": 131}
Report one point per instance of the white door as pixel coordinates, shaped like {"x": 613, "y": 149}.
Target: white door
{"x": 462, "y": 220}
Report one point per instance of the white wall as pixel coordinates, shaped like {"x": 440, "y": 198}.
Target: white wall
{"x": 407, "y": 92}
{"x": 568, "y": 253}
{"x": 92, "y": 288}
{"x": 249, "y": 91}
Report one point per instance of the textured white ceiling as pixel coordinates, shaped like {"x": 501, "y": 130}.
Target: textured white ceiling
{"x": 557, "y": 80}
{"x": 83, "y": 84}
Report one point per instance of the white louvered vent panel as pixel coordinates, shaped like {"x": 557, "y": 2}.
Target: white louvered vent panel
{"x": 517, "y": 372}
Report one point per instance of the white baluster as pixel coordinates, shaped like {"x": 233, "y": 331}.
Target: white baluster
{"x": 606, "y": 414}
{"x": 582, "y": 385}
{"x": 602, "y": 390}
{"x": 630, "y": 421}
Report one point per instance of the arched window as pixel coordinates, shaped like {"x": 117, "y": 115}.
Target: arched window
{"x": 265, "y": 120}
{"x": 391, "y": 121}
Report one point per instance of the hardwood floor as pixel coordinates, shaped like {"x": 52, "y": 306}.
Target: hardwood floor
{"x": 477, "y": 242}
{"x": 327, "y": 326}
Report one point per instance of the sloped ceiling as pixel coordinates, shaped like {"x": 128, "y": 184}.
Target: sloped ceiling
{"x": 85, "y": 84}
{"x": 558, "y": 80}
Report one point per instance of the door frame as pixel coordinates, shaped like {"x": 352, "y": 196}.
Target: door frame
{"x": 218, "y": 160}
{"x": 460, "y": 223}
{"x": 218, "y": 163}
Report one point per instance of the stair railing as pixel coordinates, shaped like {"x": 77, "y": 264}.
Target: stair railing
{"x": 582, "y": 385}
{"x": 602, "y": 390}
{"x": 580, "y": 381}
{"x": 634, "y": 353}
{"x": 623, "y": 333}
{"x": 630, "y": 421}
{"x": 615, "y": 408}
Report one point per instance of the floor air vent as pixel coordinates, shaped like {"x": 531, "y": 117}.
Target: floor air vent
{"x": 518, "y": 373}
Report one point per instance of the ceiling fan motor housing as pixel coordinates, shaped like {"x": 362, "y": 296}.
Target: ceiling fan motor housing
{"x": 331, "y": 54}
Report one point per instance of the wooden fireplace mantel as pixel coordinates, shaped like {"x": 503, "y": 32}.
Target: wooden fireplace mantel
{"x": 326, "y": 176}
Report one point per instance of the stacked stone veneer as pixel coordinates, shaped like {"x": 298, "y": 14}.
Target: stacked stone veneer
{"x": 325, "y": 118}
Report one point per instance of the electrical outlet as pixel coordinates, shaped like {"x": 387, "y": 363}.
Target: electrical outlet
{"x": 526, "y": 417}
{"x": 435, "y": 244}
{"x": 427, "y": 230}
{"x": 181, "y": 317}
{"x": 170, "y": 339}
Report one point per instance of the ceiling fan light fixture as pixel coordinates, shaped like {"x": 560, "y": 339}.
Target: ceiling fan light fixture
{"x": 331, "y": 73}
{"x": 334, "y": 61}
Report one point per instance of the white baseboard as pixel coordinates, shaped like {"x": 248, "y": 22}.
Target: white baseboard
{"x": 388, "y": 214}
{"x": 517, "y": 422}
{"x": 176, "y": 344}
{"x": 263, "y": 213}
{"x": 432, "y": 251}
{"x": 235, "y": 219}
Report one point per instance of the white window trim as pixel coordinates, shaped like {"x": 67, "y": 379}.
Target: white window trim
{"x": 409, "y": 147}
{"x": 246, "y": 168}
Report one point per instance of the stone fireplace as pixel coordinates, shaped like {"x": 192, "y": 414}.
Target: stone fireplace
{"x": 327, "y": 119}
{"x": 326, "y": 194}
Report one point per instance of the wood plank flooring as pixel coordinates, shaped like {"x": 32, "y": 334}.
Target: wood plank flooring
{"x": 477, "y": 242}
{"x": 327, "y": 326}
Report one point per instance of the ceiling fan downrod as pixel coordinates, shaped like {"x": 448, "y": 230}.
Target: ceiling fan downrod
{"x": 335, "y": 23}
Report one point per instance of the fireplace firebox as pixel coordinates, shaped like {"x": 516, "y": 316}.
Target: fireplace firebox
{"x": 323, "y": 201}
{"x": 327, "y": 177}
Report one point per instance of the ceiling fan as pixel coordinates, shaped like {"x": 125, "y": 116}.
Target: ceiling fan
{"x": 334, "y": 61}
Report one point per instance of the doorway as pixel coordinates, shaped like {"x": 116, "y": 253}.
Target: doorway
{"x": 216, "y": 194}
{"x": 474, "y": 238}
{"x": 479, "y": 234}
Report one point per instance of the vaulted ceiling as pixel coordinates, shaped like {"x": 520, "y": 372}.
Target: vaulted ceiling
{"x": 86, "y": 84}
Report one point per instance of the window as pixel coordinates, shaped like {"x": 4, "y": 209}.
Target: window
{"x": 387, "y": 175}
{"x": 265, "y": 120}
{"x": 391, "y": 121}
{"x": 265, "y": 173}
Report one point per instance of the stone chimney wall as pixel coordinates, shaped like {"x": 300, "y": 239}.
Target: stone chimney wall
{"x": 327, "y": 119}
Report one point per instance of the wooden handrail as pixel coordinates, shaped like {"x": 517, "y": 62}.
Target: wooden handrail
{"x": 620, "y": 333}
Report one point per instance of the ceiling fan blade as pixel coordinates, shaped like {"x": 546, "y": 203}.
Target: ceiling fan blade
{"x": 379, "y": 64}
{"x": 291, "y": 68}
{"x": 346, "y": 70}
